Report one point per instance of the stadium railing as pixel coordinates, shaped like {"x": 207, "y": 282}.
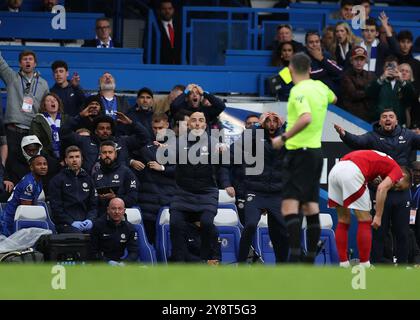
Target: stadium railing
{"x": 233, "y": 28}
{"x": 394, "y": 12}
{"x": 38, "y": 25}
{"x": 47, "y": 55}
{"x": 215, "y": 79}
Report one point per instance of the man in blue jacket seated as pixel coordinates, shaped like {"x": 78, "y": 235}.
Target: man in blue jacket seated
{"x": 26, "y": 192}
{"x": 112, "y": 236}
{"x": 73, "y": 197}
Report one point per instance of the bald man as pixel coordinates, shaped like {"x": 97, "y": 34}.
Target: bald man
{"x": 112, "y": 234}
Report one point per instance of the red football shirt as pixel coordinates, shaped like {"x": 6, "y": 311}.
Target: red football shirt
{"x": 373, "y": 163}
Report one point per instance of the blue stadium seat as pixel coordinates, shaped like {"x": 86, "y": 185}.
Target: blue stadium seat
{"x": 328, "y": 254}
{"x": 226, "y": 221}
{"x": 163, "y": 241}
{"x": 30, "y": 217}
{"x": 48, "y": 211}
{"x": 229, "y": 227}
{"x": 262, "y": 243}
{"x": 146, "y": 251}
{"x": 225, "y": 198}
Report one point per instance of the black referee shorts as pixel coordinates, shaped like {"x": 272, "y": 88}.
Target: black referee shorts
{"x": 302, "y": 170}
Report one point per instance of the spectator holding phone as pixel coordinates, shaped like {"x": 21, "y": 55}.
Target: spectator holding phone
{"x": 113, "y": 179}
{"x": 390, "y": 92}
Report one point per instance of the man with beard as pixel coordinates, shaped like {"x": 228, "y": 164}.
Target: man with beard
{"x": 26, "y": 192}
{"x": 103, "y": 130}
{"x": 170, "y": 29}
{"x": 113, "y": 179}
{"x": 111, "y": 102}
{"x": 73, "y": 196}
{"x": 263, "y": 191}
{"x": 399, "y": 143}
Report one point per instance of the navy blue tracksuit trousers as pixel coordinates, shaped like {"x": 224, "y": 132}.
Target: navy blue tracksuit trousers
{"x": 397, "y": 214}
{"x": 254, "y": 206}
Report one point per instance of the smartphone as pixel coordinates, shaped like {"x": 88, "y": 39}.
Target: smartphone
{"x": 391, "y": 65}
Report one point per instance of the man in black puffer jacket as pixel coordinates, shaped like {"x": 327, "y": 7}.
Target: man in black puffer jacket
{"x": 197, "y": 197}
{"x": 113, "y": 179}
{"x": 400, "y": 144}
{"x": 112, "y": 235}
{"x": 156, "y": 182}
{"x": 263, "y": 191}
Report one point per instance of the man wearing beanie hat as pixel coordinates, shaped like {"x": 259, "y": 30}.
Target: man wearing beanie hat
{"x": 353, "y": 84}
{"x": 142, "y": 111}
{"x": 90, "y": 110}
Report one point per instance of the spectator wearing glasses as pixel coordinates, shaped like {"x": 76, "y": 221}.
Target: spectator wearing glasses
{"x": 103, "y": 35}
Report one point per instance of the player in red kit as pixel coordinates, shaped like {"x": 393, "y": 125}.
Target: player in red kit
{"x": 347, "y": 189}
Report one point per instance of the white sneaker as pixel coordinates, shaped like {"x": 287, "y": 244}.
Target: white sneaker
{"x": 366, "y": 264}
{"x": 345, "y": 264}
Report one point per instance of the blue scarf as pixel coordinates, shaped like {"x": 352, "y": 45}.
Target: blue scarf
{"x": 110, "y": 107}
{"x": 55, "y": 128}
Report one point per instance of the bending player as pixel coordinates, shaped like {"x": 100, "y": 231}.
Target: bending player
{"x": 347, "y": 189}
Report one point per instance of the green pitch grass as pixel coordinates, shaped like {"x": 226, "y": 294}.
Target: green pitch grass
{"x": 204, "y": 282}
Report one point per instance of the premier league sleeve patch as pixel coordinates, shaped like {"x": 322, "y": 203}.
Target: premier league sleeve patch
{"x": 29, "y": 190}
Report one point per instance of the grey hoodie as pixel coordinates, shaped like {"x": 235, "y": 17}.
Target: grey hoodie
{"x": 13, "y": 81}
